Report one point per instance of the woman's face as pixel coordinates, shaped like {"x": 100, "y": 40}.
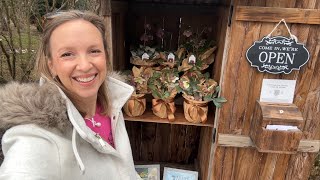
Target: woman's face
{"x": 78, "y": 58}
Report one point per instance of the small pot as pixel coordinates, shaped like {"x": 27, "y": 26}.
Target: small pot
{"x": 136, "y": 105}
{"x": 164, "y": 108}
{"x": 195, "y": 111}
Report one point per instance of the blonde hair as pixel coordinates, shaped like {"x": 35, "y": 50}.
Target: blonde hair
{"x": 51, "y": 22}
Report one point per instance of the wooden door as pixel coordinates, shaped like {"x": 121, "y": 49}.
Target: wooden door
{"x": 234, "y": 154}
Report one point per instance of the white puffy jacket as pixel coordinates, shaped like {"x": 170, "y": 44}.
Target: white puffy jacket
{"x": 48, "y": 139}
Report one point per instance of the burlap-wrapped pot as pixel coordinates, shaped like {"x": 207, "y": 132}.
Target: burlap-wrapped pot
{"x": 136, "y": 105}
{"x": 195, "y": 111}
{"x": 164, "y": 108}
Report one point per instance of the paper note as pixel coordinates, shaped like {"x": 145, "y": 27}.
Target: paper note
{"x": 281, "y": 127}
{"x": 277, "y": 90}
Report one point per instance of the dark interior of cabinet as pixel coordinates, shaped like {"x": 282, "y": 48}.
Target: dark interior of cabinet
{"x": 181, "y": 146}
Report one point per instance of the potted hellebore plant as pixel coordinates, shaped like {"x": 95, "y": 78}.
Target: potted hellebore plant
{"x": 144, "y": 55}
{"x": 163, "y": 85}
{"x": 199, "y": 50}
{"x": 198, "y": 90}
{"x": 138, "y": 78}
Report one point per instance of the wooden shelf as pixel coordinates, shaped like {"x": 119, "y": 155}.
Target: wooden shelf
{"x": 148, "y": 116}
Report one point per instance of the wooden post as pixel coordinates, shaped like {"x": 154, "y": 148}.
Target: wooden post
{"x": 106, "y": 12}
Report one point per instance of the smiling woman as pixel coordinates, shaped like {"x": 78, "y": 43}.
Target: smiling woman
{"x": 79, "y": 63}
{"x": 73, "y": 118}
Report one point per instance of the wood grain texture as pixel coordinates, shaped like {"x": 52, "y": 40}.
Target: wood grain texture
{"x": 244, "y": 141}
{"x": 241, "y": 85}
{"x": 165, "y": 143}
{"x": 205, "y": 152}
{"x": 273, "y": 14}
{"x": 274, "y": 141}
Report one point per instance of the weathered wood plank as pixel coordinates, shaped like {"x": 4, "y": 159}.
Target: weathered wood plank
{"x": 273, "y": 14}
{"x": 268, "y": 168}
{"x": 241, "y": 118}
{"x": 231, "y": 140}
{"x": 205, "y": 152}
{"x": 281, "y": 167}
{"x": 245, "y": 157}
{"x": 162, "y": 143}
{"x": 148, "y": 135}
{"x": 134, "y": 133}
{"x": 219, "y": 154}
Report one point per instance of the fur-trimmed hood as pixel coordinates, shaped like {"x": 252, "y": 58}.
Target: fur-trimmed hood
{"x": 30, "y": 103}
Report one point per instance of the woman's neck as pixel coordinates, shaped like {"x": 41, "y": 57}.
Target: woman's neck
{"x": 86, "y": 106}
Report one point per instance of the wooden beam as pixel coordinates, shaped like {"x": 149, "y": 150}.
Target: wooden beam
{"x": 106, "y": 12}
{"x": 275, "y": 14}
{"x": 231, "y": 140}
{"x": 242, "y": 141}
{"x": 181, "y": 9}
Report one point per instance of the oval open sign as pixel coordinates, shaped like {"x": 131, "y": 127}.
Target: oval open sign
{"x": 277, "y": 55}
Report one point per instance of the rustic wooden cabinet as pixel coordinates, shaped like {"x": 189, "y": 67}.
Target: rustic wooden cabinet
{"x": 222, "y": 148}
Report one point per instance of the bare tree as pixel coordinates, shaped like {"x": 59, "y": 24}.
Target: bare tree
{"x": 18, "y": 34}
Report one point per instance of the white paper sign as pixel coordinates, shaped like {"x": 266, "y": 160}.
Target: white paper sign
{"x": 282, "y": 127}
{"x": 171, "y": 58}
{"x": 145, "y": 56}
{"x": 192, "y": 59}
{"x": 277, "y": 90}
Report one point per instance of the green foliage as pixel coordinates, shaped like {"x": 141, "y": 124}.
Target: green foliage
{"x": 139, "y": 51}
{"x": 164, "y": 83}
{"x": 200, "y": 87}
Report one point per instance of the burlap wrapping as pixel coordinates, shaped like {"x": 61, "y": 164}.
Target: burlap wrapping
{"x": 135, "y": 106}
{"x": 139, "y": 62}
{"x": 164, "y": 108}
{"x": 195, "y": 111}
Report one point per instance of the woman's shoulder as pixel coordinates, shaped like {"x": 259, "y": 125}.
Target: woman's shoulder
{"x": 34, "y": 149}
{"x": 29, "y": 103}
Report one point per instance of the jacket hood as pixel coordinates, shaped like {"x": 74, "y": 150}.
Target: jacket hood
{"x": 30, "y": 103}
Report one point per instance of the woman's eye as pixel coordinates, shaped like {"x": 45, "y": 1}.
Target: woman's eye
{"x": 67, "y": 54}
{"x": 95, "y": 51}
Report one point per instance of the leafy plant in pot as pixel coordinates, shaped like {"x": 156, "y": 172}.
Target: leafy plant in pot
{"x": 144, "y": 54}
{"x": 138, "y": 78}
{"x": 199, "y": 50}
{"x": 163, "y": 85}
{"x": 198, "y": 90}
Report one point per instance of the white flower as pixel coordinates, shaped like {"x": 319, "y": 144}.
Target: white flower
{"x": 175, "y": 79}
{"x": 185, "y": 84}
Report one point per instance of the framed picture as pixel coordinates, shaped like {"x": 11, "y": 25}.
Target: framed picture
{"x": 148, "y": 172}
{"x": 173, "y": 174}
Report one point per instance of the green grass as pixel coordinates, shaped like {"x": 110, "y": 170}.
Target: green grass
{"x": 23, "y": 58}
{"x": 35, "y": 39}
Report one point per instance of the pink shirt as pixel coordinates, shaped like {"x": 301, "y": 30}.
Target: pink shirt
{"x": 104, "y": 130}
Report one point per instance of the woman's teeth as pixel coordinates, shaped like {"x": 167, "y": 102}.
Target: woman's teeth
{"x": 87, "y": 79}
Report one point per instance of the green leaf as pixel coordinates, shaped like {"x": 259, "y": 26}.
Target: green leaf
{"x": 179, "y": 89}
{"x": 152, "y": 87}
{"x": 220, "y": 99}
{"x": 217, "y": 104}
{"x": 217, "y": 88}
{"x": 156, "y": 94}
{"x": 166, "y": 94}
{"x": 207, "y": 98}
